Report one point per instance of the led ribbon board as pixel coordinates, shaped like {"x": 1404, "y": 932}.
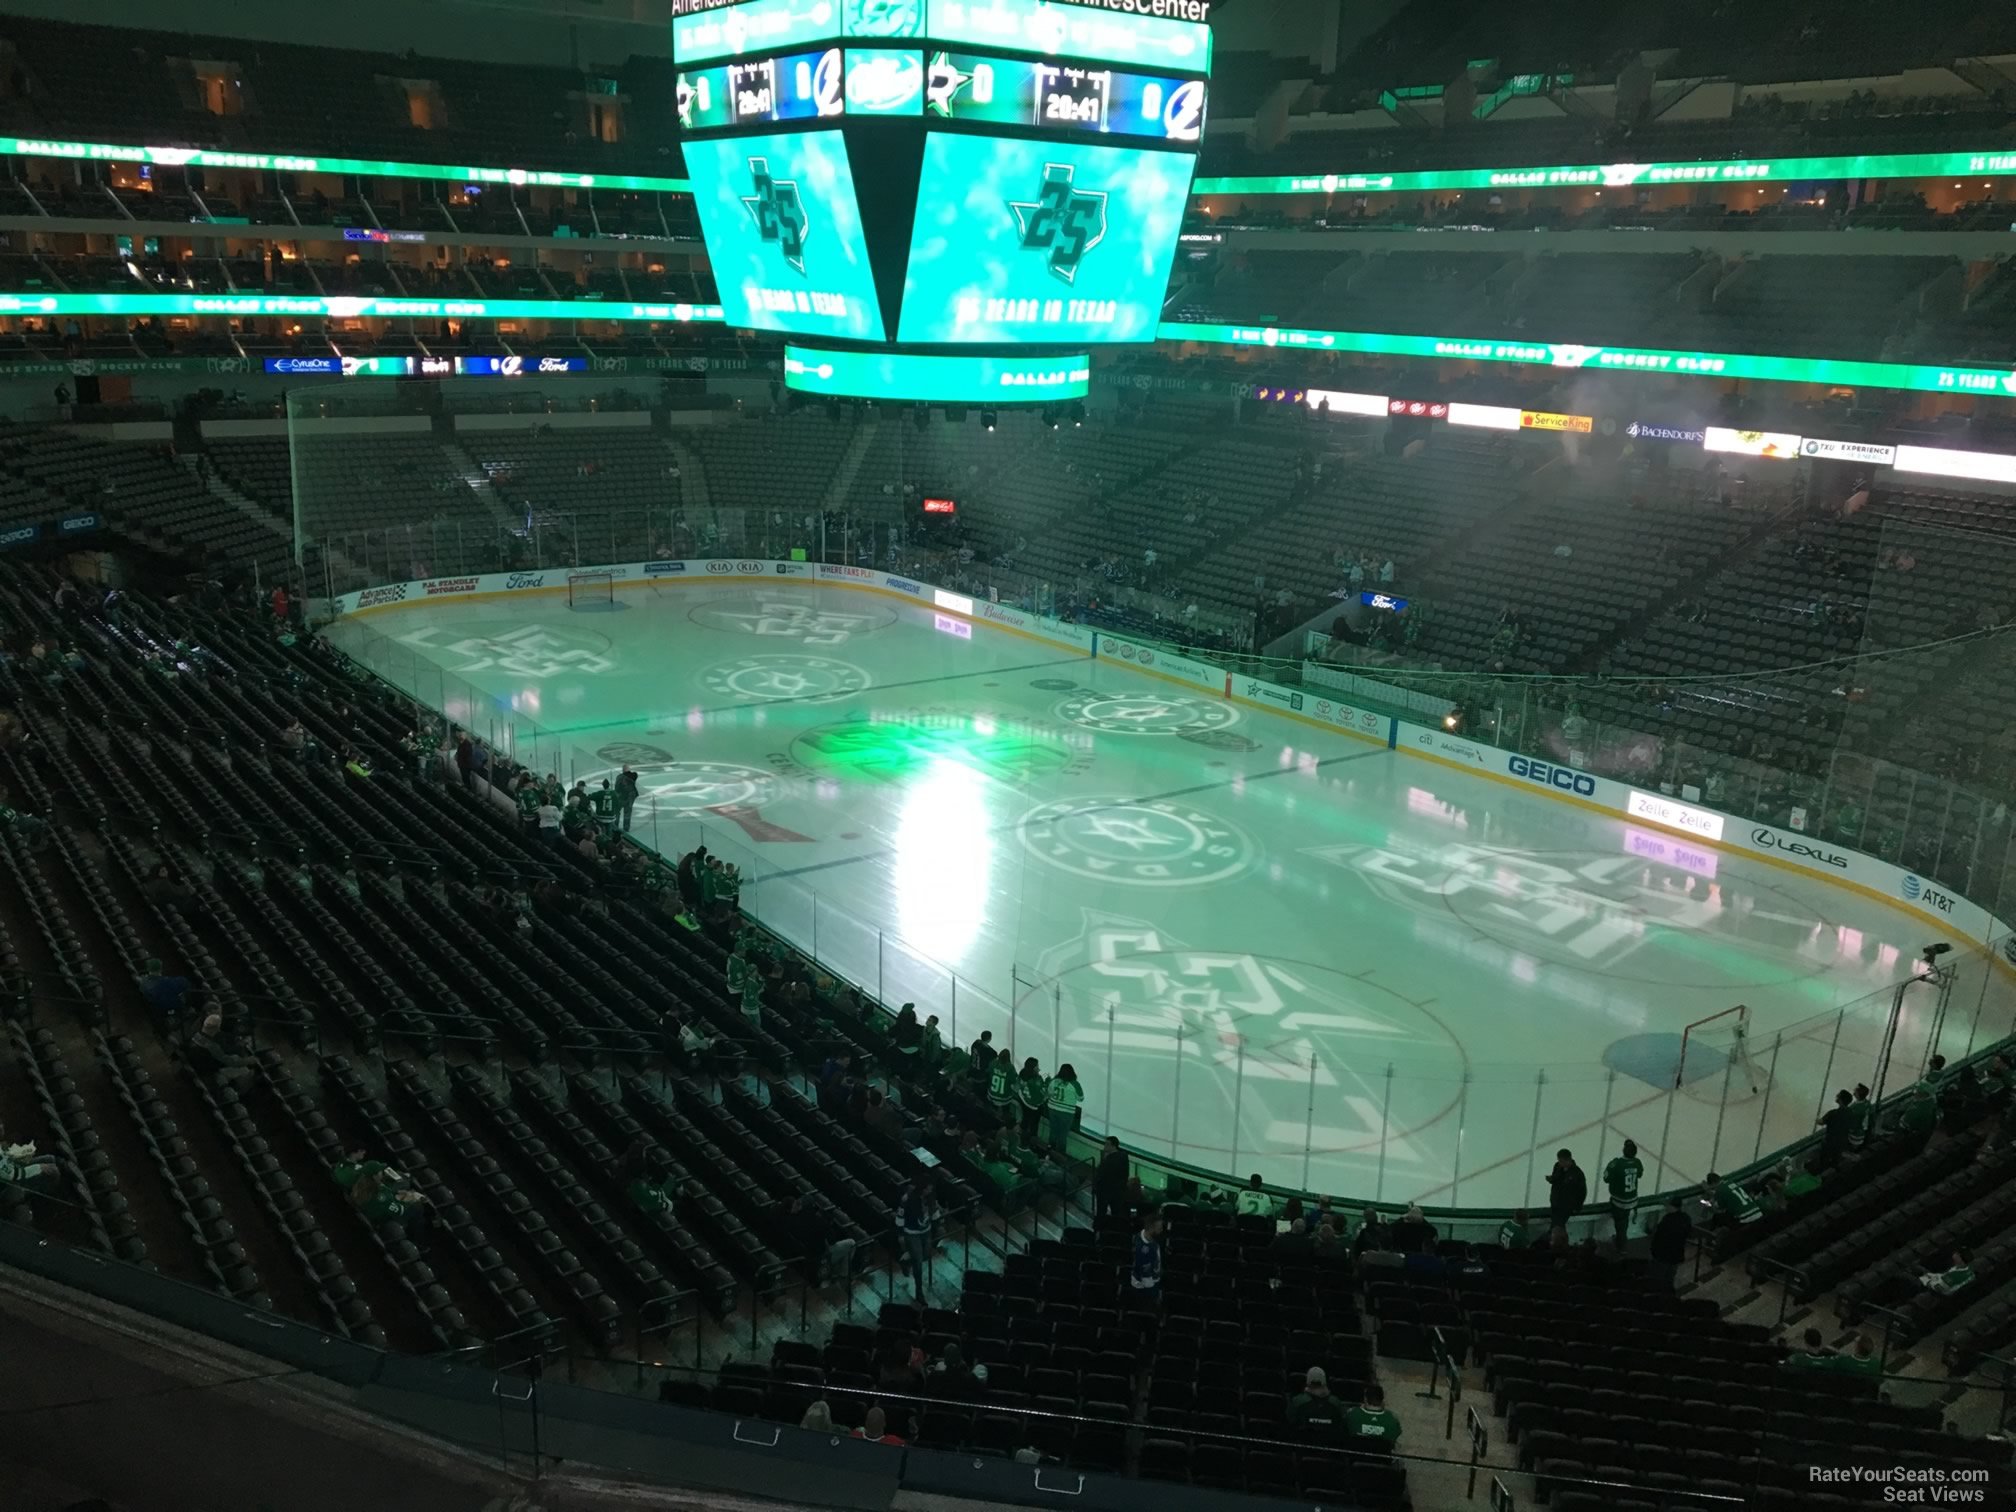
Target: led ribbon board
{"x": 353, "y": 307}
{"x": 191, "y": 157}
{"x": 907, "y": 378}
{"x": 762, "y": 91}
{"x": 1628, "y": 175}
{"x": 1829, "y": 370}
{"x": 1060, "y": 96}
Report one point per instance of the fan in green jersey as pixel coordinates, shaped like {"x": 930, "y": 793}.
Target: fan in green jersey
{"x": 1622, "y": 1176}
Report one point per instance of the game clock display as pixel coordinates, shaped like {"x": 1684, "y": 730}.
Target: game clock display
{"x": 1041, "y": 241}
{"x": 783, "y": 231}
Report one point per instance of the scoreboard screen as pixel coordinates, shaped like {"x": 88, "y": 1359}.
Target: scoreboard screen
{"x": 761, "y": 91}
{"x": 783, "y": 231}
{"x": 1064, "y": 96}
{"x": 1019, "y": 240}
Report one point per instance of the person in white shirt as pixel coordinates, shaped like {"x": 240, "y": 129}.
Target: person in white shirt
{"x": 1386, "y": 571}
{"x": 549, "y": 822}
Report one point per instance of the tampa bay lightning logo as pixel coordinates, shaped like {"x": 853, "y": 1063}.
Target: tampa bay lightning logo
{"x": 1064, "y": 222}
{"x": 779, "y": 213}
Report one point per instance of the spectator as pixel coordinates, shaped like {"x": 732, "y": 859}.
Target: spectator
{"x": 650, "y": 1191}
{"x": 930, "y": 1044}
{"x": 918, "y": 1217}
{"x": 381, "y": 1195}
{"x": 1253, "y": 1200}
{"x": 1622, "y": 1176}
{"x": 1370, "y": 1423}
{"x": 1293, "y": 1243}
{"x": 1865, "y": 1118}
{"x": 1145, "y": 1275}
{"x": 1328, "y": 1246}
{"x": 626, "y": 796}
{"x": 818, "y": 1418}
{"x": 1413, "y": 1234}
{"x": 1731, "y": 1201}
{"x": 1516, "y": 1232}
{"x": 1032, "y": 1094}
{"x": 212, "y": 1058}
{"x": 1919, "y": 1114}
{"x": 1567, "y": 1189}
{"x": 1958, "y": 1275}
{"x": 1669, "y": 1243}
{"x": 1815, "y": 1356}
{"x": 1863, "y": 1360}
{"x": 950, "y": 1375}
{"x": 906, "y": 1035}
{"x": 1001, "y": 1080}
{"x": 167, "y": 997}
{"x": 465, "y": 761}
{"x": 1371, "y": 1235}
{"x": 1314, "y": 1411}
{"x": 875, "y": 1428}
{"x": 1109, "y": 1182}
{"x": 294, "y": 741}
{"x": 1837, "y": 1129}
{"x": 21, "y": 1166}
{"x": 1065, "y": 1095}
{"x": 549, "y": 819}
{"x": 982, "y": 1055}
{"x": 479, "y": 763}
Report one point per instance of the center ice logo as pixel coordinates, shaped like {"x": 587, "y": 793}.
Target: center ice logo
{"x": 528, "y": 651}
{"x": 802, "y": 679}
{"x": 1147, "y": 844}
{"x": 1146, "y": 713}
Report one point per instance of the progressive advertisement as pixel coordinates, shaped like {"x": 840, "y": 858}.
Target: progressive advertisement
{"x": 1035, "y": 241}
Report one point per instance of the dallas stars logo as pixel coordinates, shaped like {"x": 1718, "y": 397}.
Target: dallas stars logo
{"x": 943, "y": 84}
{"x": 1062, "y": 221}
{"x": 779, "y": 213}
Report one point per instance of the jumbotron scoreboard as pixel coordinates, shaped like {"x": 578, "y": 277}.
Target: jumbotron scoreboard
{"x": 942, "y": 177}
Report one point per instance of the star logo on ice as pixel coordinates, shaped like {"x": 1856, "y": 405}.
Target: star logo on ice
{"x": 1063, "y": 221}
{"x": 779, "y": 213}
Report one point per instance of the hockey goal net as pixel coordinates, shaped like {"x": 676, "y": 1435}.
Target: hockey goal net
{"x": 1715, "y": 1060}
{"x": 592, "y": 590}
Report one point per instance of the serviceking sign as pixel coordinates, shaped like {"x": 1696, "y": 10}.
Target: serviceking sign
{"x": 1545, "y": 421}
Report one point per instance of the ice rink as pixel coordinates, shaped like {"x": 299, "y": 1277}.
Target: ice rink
{"x": 1264, "y": 944}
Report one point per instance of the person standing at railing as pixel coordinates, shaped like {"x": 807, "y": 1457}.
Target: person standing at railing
{"x": 1109, "y": 1182}
{"x": 626, "y": 796}
{"x": 1001, "y": 1086}
{"x": 1567, "y": 1189}
{"x": 1622, "y": 1176}
{"x": 1032, "y": 1094}
{"x": 1669, "y": 1244}
{"x": 1067, "y": 1093}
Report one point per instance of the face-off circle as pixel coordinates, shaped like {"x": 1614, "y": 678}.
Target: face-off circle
{"x": 633, "y": 753}
{"x": 777, "y": 617}
{"x": 1155, "y": 843}
{"x": 1146, "y": 713}
{"x": 800, "y": 679}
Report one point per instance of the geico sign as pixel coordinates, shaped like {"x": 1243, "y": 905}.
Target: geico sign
{"x": 1566, "y": 779}
{"x": 1773, "y": 841}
